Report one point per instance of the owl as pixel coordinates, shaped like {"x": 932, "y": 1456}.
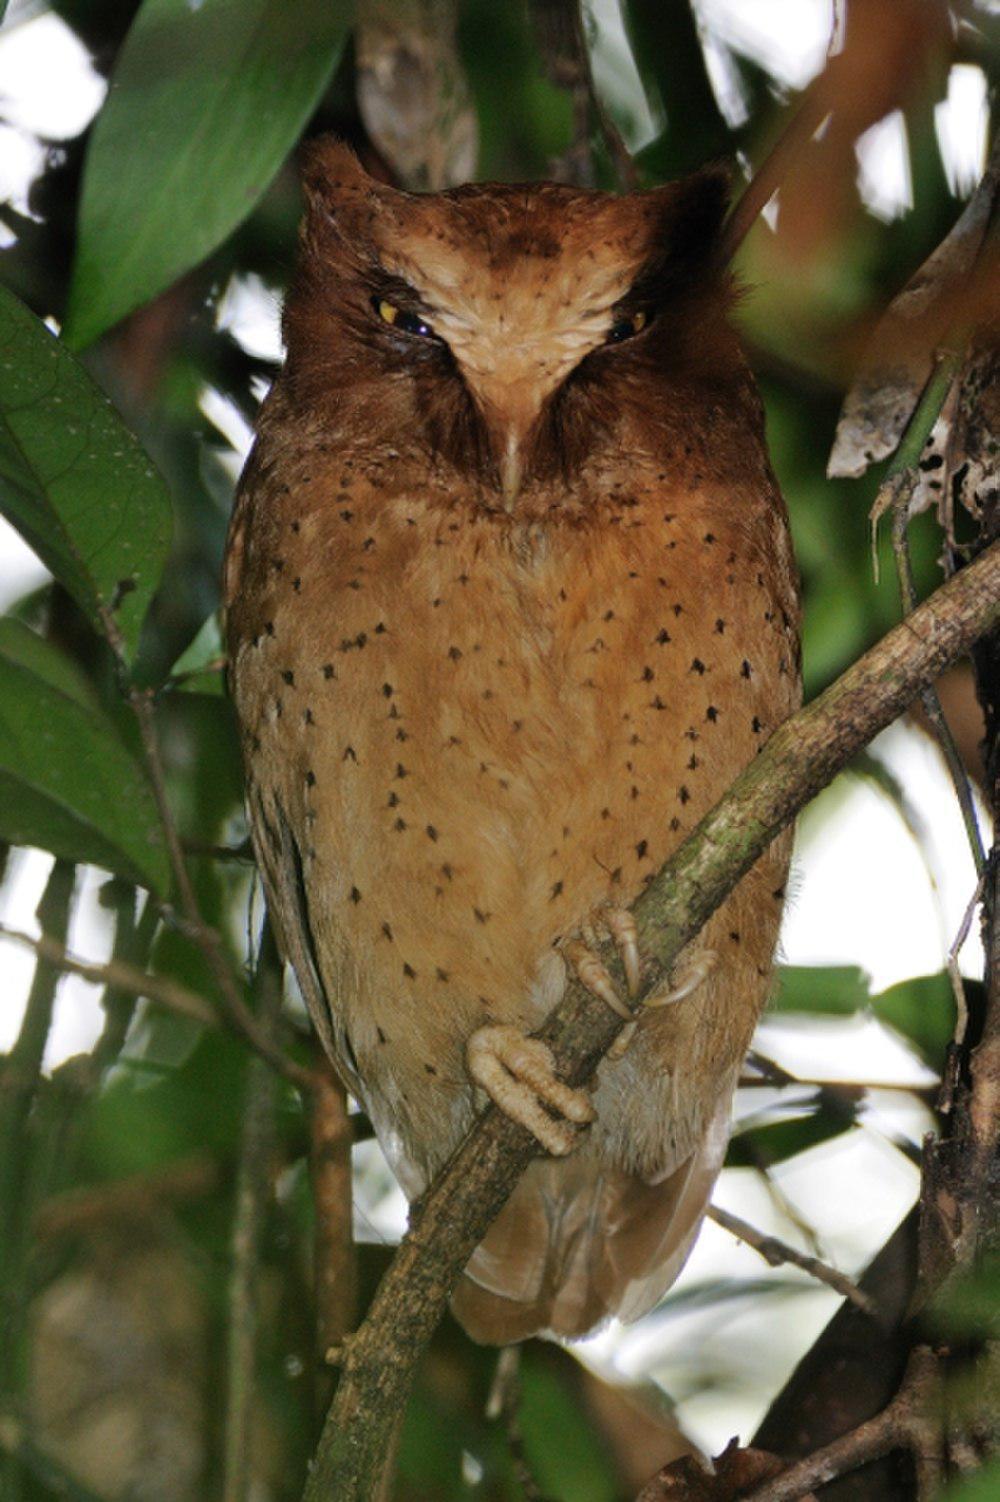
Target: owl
{"x": 510, "y": 602}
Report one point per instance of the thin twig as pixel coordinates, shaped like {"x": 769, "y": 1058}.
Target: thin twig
{"x": 131, "y": 944}
{"x": 958, "y": 991}
{"x": 19, "y": 1189}
{"x": 896, "y": 491}
{"x": 77, "y": 1209}
{"x": 772, "y": 171}
{"x": 503, "y": 1406}
{"x": 159, "y": 989}
{"x": 561, "y": 39}
{"x": 801, "y": 757}
{"x": 235, "y": 854}
{"x": 117, "y": 973}
{"x": 204, "y": 935}
{"x": 335, "y": 1268}
{"x": 256, "y": 1148}
{"x": 775, "y": 1252}
{"x": 844, "y": 1090}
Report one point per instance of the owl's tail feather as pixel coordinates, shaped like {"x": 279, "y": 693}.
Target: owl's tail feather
{"x": 580, "y": 1241}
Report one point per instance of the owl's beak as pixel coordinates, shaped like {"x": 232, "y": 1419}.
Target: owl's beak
{"x": 511, "y": 469}
{"x": 510, "y": 407}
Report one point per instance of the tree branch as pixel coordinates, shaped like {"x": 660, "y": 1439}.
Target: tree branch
{"x": 910, "y": 1420}
{"x": 252, "y": 1193}
{"x": 801, "y": 757}
{"x": 131, "y": 980}
{"x": 775, "y": 1251}
{"x": 335, "y": 1275}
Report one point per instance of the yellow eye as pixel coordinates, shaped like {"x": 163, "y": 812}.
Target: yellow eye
{"x": 626, "y": 327}
{"x": 397, "y": 318}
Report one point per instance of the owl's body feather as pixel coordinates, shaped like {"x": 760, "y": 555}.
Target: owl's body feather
{"x": 506, "y": 615}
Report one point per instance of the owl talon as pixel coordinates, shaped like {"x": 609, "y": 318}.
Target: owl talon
{"x": 518, "y": 1074}
{"x": 691, "y": 971}
{"x": 620, "y": 1046}
{"x": 621, "y": 926}
{"x": 592, "y": 974}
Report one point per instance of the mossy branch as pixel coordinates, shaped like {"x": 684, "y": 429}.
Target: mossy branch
{"x": 800, "y": 759}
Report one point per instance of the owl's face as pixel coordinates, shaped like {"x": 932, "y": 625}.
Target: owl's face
{"x": 503, "y": 329}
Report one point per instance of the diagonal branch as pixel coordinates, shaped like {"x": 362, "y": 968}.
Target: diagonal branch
{"x": 775, "y": 1251}
{"x": 909, "y": 1421}
{"x": 801, "y": 757}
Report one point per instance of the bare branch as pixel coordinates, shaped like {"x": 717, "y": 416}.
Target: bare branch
{"x": 559, "y": 32}
{"x": 335, "y": 1270}
{"x": 76, "y": 1210}
{"x": 256, "y": 1148}
{"x": 908, "y": 1421}
{"x": 775, "y": 1251}
{"x": 129, "y": 979}
{"x": 117, "y": 973}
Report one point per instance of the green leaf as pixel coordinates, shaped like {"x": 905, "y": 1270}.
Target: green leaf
{"x": 565, "y": 1454}
{"x": 984, "y": 1486}
{"x": 205, "y": 104}
{"x": 777, "y": 1141}
{"x": 67, "y": 783}
{"x": 923, "y": 1010}
{"x": 199, "y": 669}
{"x": 838, "y": 989}
{"x": 75, "y": 482}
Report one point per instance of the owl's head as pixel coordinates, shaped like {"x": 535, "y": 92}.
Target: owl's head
{"x": 507, "y": 330}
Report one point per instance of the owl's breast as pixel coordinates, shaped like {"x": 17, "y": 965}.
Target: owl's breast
{"x": 478, "y": 737}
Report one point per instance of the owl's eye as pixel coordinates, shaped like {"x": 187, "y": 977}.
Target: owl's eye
{"x": 398, "y": 318}
{"x": 626, "y": 327}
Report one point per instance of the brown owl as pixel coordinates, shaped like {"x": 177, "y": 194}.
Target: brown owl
{"x": 510, "y": 603}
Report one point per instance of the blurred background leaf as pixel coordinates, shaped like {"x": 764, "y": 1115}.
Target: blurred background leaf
{"x": 74, "y": 480}
{"x": 67, "y": 784}
{"x": 181, "y": 154}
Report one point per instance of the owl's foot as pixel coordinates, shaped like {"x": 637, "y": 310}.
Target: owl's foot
{"x": 518, "y": 1074}
{"x": 594, "y": 976}
{"x": 690, "y": 969}
{"x": 688, "y": 973}
{"x": 580, "y": 955}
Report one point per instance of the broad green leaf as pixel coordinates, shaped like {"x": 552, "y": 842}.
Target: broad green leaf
{"x": 575, "y": 1468}
{"x": 839, "y": 989}
{"x": 74, "y": 480}
{"x": 67, "y": 783}
{"x": 777, "y": 1141}
{"x": 923, "y": 1010}
{"x": 205, "y": 103}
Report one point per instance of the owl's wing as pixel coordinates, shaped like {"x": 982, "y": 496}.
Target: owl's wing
{"x": 579, "y": 1242}
{"x": 280, "y": 862}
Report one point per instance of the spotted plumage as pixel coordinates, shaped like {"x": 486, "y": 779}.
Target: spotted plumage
{"x": 510, "y": 603}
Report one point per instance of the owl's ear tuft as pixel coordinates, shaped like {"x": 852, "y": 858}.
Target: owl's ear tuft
{"x": 695, "y": 211}
{"x": 330, "y": 170}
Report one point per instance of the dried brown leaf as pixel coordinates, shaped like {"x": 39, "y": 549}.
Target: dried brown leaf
{"x": 897, "y": 363}
{"x": 735, "y": 1473}
{"x": 973, "y": 454}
